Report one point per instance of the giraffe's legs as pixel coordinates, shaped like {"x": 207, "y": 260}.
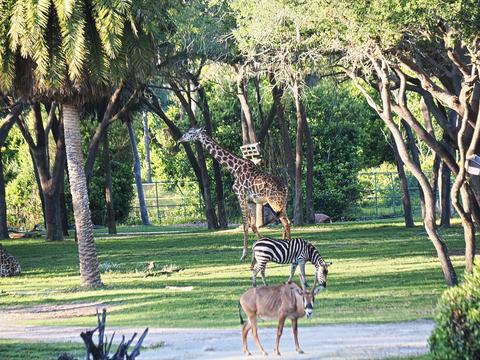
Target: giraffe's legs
{"x": 278, "y": 205}
{"x": 246, "y": 222}
{"x": 286, "y": 225}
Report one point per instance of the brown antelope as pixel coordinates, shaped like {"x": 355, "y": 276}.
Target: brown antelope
{"x": 275, "y": 302}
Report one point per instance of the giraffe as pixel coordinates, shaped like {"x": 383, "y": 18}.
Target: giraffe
{"x": 251, "y": 184}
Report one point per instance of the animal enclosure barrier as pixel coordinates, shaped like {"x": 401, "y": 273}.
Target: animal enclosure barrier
{"x": 382, "y": 197}
{"x": 169, "y": 202}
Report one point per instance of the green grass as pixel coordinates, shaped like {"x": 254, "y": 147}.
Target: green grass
{"x": 382, "y": 272}
{"x": 16, "y": 350}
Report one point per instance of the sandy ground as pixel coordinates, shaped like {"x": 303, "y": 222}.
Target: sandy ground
{"x": 349, "y": 341}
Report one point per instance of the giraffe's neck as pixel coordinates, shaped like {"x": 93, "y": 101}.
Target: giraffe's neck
{"x": 224, "y": 157}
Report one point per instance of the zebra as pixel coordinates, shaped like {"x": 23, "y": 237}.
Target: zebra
{"x": 296, "y": 251}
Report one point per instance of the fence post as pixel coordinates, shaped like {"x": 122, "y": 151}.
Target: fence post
{"x": 376, "y": 193}
{"x": 392, "y": 198}
{"x": 156, "y": 197}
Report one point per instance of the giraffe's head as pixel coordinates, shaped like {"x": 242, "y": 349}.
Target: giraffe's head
{"x": 192, "y": 135}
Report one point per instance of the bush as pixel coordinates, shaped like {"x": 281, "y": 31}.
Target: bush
{"x": 457, "y": 331}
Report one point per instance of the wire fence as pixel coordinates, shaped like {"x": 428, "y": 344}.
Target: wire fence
{"x": 170, "y": 202}
{"x": 382, "y": 196}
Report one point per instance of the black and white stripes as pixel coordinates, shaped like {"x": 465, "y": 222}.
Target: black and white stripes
{"x": 295, "y": 251}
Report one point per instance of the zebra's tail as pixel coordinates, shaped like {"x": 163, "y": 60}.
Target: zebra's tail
{"x": 240, "y": 313}
{"x": 254, "y": 261}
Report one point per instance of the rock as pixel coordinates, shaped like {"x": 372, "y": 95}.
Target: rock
{"x": 322, "y": 218}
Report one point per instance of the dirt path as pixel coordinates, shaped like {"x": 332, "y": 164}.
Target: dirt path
{"x": 349, "y": 341}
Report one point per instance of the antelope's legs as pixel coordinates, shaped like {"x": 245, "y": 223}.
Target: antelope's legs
{"x": 281, "y": 323}
{"x": 245, "y": 328}
{"x": 253, "y": 324}
{"x": 295, "y": 335}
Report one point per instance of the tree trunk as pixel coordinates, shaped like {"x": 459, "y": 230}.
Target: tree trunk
{"x": 109, "y": 205}
{"x": 277, "y": 92}
{"x": 53, "y": 216}
{"x": 309, "y": 211}
{"x": 220, "y": 200}
{"x": 89, "y": 272}
{"x": 412, "y": 146}
{"x": 63, "y": 207}
{"x": 297, "y": 202}
{"x": 146, "y": 138}
{"x": 385, "y": 113}
{"x": 445, "y": 201}
{"x": 48, "y": 181}
{"x": 138, "y": 177}
{"x": 243, "y": 97}
{"x": 407, "y": 206}
{"x": 205, "y": 184}
{"x": 5, "y": 127}
{"x": 3, "y": 204}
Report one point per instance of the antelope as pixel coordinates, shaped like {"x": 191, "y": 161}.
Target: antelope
{"x": 275, "y": 302}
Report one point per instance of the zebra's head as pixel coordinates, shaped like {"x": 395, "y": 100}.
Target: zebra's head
{"x": 321, "y": 275}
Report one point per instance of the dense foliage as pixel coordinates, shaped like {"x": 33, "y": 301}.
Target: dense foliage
{"x": 122, "y": 174}
{"x": 457, "y": 331}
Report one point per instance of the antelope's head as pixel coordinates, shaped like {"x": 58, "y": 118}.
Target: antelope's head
{"x": 191, "y": 135}
{"x": 308, "y": 297}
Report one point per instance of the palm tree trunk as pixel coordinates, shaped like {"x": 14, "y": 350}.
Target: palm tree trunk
{"x": 89, "y": 272}
{"x": 138, "y": 176}
{"x": 146, "y": 138}
{"x": 3, "y": 203}
{"x": 111, "y": 223}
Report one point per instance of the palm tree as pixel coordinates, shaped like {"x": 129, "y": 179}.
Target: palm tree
{"x": 76, "y": 51}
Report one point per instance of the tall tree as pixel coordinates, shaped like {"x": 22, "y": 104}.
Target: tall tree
{"x": 76, "y": 52}
{"x": 50, "y": 178}
{"x": 146, "y": 140}
{"x": 5, "y": 127}
{"x": 109, "y": 205}
{"x": 138, "y": 175}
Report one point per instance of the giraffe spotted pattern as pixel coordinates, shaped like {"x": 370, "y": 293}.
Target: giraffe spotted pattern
{"x": 251, "y": 184}
{"x": 9, "y": 266}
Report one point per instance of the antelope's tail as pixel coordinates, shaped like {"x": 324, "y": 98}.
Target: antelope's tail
{"x": 240, "y": 313}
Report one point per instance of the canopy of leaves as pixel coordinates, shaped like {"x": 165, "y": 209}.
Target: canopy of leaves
{"x": 61, "y": 47}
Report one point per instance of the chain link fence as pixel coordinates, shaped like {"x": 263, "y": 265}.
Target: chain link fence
{"x": 171, "y": 202}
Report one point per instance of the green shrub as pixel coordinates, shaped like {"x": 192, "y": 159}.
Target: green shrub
{"x": 457, "y": 331}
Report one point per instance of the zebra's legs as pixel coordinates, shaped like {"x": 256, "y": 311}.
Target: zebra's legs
{"x": 263, "y": 277}
{"x": 254, "y": 277}
{"x": 292, "y": 272}
{"x": 301, "y": 275}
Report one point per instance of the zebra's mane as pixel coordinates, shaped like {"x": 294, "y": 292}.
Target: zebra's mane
{"x": 314, "y": 255}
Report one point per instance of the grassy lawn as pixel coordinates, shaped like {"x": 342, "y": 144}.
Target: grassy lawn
{"x": 16, "y": 350}
{"x": 382, "y": 272}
